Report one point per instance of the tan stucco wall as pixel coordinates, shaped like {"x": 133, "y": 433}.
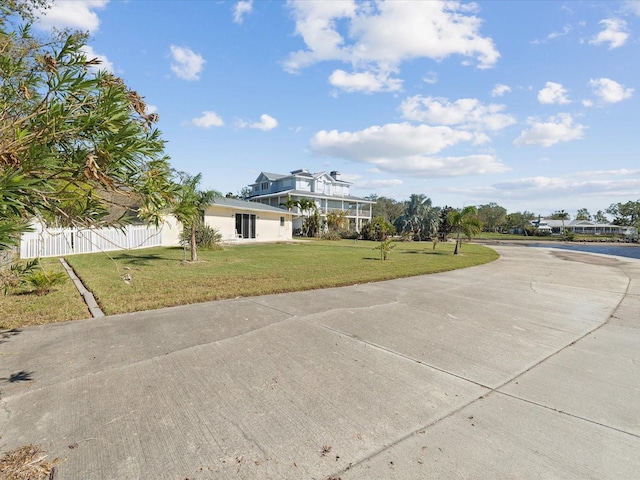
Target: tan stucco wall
{"x": 268, "y": 227}
{"x": 171, "y": 230}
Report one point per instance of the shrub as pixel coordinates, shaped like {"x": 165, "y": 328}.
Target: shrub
{"x": 206, "y": 236}
{"x": 17, "y": 274}
{"x": 42, "y": 281}
{"x": 378, "y": 230}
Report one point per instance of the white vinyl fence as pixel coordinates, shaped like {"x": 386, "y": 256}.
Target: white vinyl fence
{"x": 55, "y": 242}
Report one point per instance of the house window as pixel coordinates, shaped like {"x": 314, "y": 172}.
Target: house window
{"x": 282, "y": 221}
{"x": 246, "y": 225}
{"x": 265, "y": 185}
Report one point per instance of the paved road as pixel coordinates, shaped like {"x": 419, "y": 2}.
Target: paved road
{"x": 528, "y": 367}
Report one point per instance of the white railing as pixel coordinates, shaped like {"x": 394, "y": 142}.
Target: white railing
{"x": 56, "y": 242}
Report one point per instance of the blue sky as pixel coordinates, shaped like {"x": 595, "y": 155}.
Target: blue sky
{"x": 529, "y": 104}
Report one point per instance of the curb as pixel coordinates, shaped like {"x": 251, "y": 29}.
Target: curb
{"x": 88, "y": 297}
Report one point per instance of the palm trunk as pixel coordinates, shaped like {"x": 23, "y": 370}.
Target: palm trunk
{"x": 194, "y": 251}
{"x": 455, "y": 252}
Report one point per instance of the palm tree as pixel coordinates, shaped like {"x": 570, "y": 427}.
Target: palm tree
{"x": 289, "y": 203}
{"x": 311, "y": 222}
{"x": 464, "y": 222}
{"x": 419, "y": 217}
{"x": 190, "y": 205}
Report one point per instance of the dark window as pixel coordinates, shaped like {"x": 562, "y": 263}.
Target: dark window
{"x": 282, "y": 221}
{"x": 265, "y": 185}
{"x": 246, "y": 225}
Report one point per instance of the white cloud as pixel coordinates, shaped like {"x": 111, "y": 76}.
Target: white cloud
{"x": 610, "y": 91}
{"x": 105, "y": 64}
{"x": 241, "y": 9}
{"x": 500, "y": 89}
{"x": 559, "y": 128}
{"x": 555, "y": 186}
{"x": 208, "y": 119}
{"x": 187, "y": 64}
{"x": 379, "y": 36}
{"x": 587, "y": 103}
{"x": 465, "y": 112}
{"x": 565, "y": 31}
{"x": 553, "y": 93}
{"x": 407, "y": 149}
{"x": 431, "y": 78}
{"x": 367, "y": 82}
{"x": 615, "y": 33}
{"x": 631, "y": 6}
{"x": 265, "y": 124}
{"x": 380, "y": 184}
{"x": 74, "y": 14}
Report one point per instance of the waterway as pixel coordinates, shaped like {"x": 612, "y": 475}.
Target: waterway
{"x": 629, "y": 251}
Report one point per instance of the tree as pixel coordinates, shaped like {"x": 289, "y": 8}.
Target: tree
{"x": 311, "y": 223}
{"x": 385, "y": 248}
{"x": 289, "y": 203}
{"x": 600, "y": 217}
{"x": 190, "y": 205}
{"x": 561, "y": 215}
{"x": 519, "y": 221}
{"x": 419, "y": 217}
{"x": 378, "y": 229}
{"x": 583, "y": 214}
{"x": 387, "y": 208}
{"x": 464, "y": 221}
{"x": 74, "y": 142}
{"x": 444, "y": 227}
{"x": 337, "y": 221}
{"x": 492, "y": 216}
{"x": 625, "y": 213}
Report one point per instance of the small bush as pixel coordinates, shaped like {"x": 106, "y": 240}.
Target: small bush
{"x": 42, "y": 281}
{"x": 206, "y": 237}
{"x": 16, "y": 275}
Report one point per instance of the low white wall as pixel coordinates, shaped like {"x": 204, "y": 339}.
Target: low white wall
{"x": 171, "y": 230}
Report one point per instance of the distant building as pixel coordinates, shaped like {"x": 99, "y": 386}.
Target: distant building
{"x": 584, "y": 227}
{"x": 327, "y": 190}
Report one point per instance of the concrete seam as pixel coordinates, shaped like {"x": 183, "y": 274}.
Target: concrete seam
{"x": 86, "y": 295}
{"x": 578, "y": 417}
{"x": 491, "y": 390}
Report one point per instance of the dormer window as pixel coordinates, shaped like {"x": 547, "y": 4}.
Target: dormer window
{"x": 264, "y": 185}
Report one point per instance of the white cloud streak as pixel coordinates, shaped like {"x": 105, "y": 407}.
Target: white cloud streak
{"x": 467, "y": 113}
{"x": 615, "y": 33}
{"x": 266, "y": 123}
{"x": 208, "y": 119}
{"x": 556, "y": 129}
{"x": 499, "y": 90}
{"x": 553, "y": 93}
{"x": 610, "y": 91}
{"x": 379, "y": 36}
{"x": 74, "y": 14}
{"x": 186, "y": 64}
{"x": 241, "y": 9}
{"x": 407, "y": 149}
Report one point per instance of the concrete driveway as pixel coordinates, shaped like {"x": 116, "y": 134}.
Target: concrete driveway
{"x": 528, "y": 367}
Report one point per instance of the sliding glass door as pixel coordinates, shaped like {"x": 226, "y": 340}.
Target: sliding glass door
{"x": 246, "y": 225}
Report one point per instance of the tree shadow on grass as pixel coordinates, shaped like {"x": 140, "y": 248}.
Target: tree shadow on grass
{"x": 139, "y": 260}
{"x": 426, "y": 252}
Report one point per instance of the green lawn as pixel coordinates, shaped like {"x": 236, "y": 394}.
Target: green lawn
{"x": 160, "y": 279}
{"x": 21, "y": 307}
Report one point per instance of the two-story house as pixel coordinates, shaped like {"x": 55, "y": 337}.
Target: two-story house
{"x": 327, "y": 190}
